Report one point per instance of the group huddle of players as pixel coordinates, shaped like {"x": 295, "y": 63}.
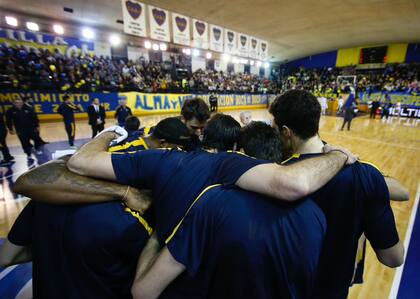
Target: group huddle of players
{"x": 177, "y": 211}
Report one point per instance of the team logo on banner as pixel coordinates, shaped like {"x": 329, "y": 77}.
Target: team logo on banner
{"x": 201, "y": 27}
{"x": 134, "y": 9}
{"x": 181, "y": 29}
{"x": 263, "y": 50}
{"x": 217, "y": 32}
{"x": 243, "y": 40}
{"x": 216, "y": 38}
{"x": 243, "y": 45}
{"x": 159, "y": 16}
{"x": 254, "y": 48}
{"x": 159, "y": 24}
{"x": 181, "y": 23}
{"x": 254, "y": 43}
{"x": 230, "y": 42}
{"x": 200, "y": 34}
{"x": 134, "y": 17}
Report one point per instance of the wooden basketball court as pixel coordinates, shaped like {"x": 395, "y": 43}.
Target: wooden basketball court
{"x": 393, "y": 145}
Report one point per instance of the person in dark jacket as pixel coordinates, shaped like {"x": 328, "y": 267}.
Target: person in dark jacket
{"x": 29, "y": 101}
{"x": 96, "y": 113}
{"x": 67, "y": 110}
{"x": 122, "y": 112}
{"x": 7, "y": 157}
{"x": 22, "y": 120}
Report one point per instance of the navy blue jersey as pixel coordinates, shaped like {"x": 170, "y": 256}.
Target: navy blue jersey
{"x": 24, "y": 120}
{"x": 246, "y": 246}
{"x": 355, "y": 201}
{"x": 134, "y": 142}
{"x": 121, "y": 113}
{"x": 85, "y": 251}
{"x": 67, "y": 111}
{"x": 177, "y": 178}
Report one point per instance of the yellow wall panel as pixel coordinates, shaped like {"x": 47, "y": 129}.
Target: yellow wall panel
{"x": 396, "y": 53}
{"x": 349, "y": 56}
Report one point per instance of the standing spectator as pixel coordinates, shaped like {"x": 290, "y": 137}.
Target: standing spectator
{"x": 122, "y": 112}
{"x": 67, "y": 110}
{"x": 25, "y": 124}
{"x": 375, "y": 106}
{"x": 96, "y": 113}
{"x": 7, "y": 157}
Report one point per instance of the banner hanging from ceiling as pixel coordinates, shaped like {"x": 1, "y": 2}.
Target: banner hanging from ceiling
{"x": 200, "y": 34}
{"x": 181, "y": 29}
{"x": 263, "y": 50}
{"x": 230, "y": 41}
{"x": 134, "y": 16}
{"x": 216, "y": 38}
{"x": 254, "y": 46}
{"x": 159, "y": 24}
{"x": 243, "y": 45}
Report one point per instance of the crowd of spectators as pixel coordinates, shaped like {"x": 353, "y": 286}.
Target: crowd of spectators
{"x": 394, "y": 77}
{"x": 41, "y": 69}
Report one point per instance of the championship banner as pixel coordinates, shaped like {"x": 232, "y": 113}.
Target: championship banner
{"x": 29, "y": 39}
{"x": 159, "y": 24}
{"x": 230, "y": 41}
{"x": 263, "y": 52}
{"x": 181, "y": 29}
{"x": 134, "y": 16}
{"x": 254, "y": 45}
{"x": 47, "y": 103}
{"x": 200, "y": 34}
{"x": 243, "y": 45}
{"x": 216, "y": 38}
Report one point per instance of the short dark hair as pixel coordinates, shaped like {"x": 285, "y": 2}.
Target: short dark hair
{"x": 221, "y": 132}
{"x": 172, "y": 130}
{"x": 195, "y": 108}
{"x": 132, "y": 123}
{"x": 299, "y": 110}
{"x": 261, "y": 141}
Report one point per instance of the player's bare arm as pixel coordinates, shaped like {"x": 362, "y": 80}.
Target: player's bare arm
{"x": 161, "y": 273}
{"x": 54, "y": 183}
{"x": 294, "y": 181}
{"x": 392, "y": 257}
{"x": 397, "y": 192}
{"x": 93, "y": 159}
{"x": 147, "y": 256}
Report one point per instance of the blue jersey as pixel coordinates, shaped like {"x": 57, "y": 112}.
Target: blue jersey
{"x": 177, "y": 178}
{"x": 355, "y": 201}
{"x": 134, "y": 142}
{"x": 67, "y": 111}
{"x": 81, "y": 251}
{"x": 246, "y": 246}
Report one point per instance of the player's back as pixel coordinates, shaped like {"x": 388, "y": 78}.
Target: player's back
{"x": 247, "y": 246}
{"x": 355, "y": 201}
{"x": 84, "y": 251}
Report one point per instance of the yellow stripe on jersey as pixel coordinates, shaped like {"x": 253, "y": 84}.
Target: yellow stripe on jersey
{"x": 138, "y": 142}
{"x": 142, "y": 221}
{"x": 294, "y": 156}
{"x": 198, "y": 197}
{"x": 147, "y": 130}
{"x": 371, "y": 164}
{"x": 240, "y": 153}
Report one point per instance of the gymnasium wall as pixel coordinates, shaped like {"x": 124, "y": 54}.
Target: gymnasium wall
{"x": 47, "y": 103}
{"x": 396, "y": 53}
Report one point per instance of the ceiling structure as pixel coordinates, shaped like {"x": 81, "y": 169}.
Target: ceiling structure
{"x": 293, "y": 29}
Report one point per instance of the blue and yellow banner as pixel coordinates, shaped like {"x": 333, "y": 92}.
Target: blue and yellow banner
{"x": 47, "y": 103}
{"x": 406, "y": 99}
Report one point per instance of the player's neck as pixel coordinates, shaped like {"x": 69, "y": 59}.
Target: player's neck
{"x": 312, "y": 145}
{"x": 151, "y": 142}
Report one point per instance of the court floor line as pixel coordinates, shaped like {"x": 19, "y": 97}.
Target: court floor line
{"x": 398, "y": 274}
{"x": 371, "y": 141}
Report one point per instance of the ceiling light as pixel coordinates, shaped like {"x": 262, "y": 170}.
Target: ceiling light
{"x": 88, "y": 33}
{"x": 147, "y": 44}
{"x": 32, "y": 26}
{"x": 11, "y": 21}
{"x": 58, "y": 29}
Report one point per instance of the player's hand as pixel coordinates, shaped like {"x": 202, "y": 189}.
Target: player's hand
{"x": 123, "y": 134}
{"x": 351, "y": 158}
{"x": 138, "y": 200}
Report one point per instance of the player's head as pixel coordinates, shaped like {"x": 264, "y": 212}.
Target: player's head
{"x": 245, "y": 117}
{"x": 95, "y": 101}
{"x": 171, "y": 132}
{"x": 18, "y": 102}
{"x": 28, "y": 99}
{"x": 221, "y": 133}
{"x": 132, "y": 123}
{"x": 261, "y": 141}
{"x": 296, "y": 115}
{"x": 195, "y": 114}
{"x": 123, "y": 102}
{"x": 67, "y": 99}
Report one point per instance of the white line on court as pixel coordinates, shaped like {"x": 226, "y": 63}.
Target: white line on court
{"x": 397, "y": 277}
{"x": 7, "y": 271}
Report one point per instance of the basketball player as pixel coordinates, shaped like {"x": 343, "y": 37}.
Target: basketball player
{"x": 355, "y": 201}
{"x": 213, "y": 102}
{"x": 91, "y": 249}
{"x": 194, "y": 114}
{"x": 67, "y": 110}
{"x": 245, "y": 117}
